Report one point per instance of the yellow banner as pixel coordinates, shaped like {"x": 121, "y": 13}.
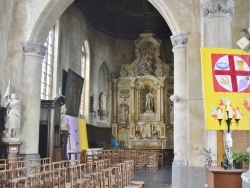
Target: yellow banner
{"x": 226, "y": 87}
{"x": 83, "y": 134}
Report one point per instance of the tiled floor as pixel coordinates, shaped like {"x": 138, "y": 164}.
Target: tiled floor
{"x": 162, "y": 178}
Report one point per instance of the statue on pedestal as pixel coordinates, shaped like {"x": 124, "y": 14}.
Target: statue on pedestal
{"x": 102, "y": 101}
{"x": 124, "y": 113}
{"x": 63, "y": 117}
{"x": 13, "y": 116}
{"x": 149, "y": 101}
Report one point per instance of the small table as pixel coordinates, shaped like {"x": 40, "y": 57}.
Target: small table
{"x": 218, "y": 177}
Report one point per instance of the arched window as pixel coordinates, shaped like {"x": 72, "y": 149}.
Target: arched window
{"x": 47, "y": 67}
{"x": 83, "y": 63}
{"x": 85, "y": 73}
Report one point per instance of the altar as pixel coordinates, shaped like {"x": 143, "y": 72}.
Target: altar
{"x": 147, "y": 144}
{"x": 141, "y": 106}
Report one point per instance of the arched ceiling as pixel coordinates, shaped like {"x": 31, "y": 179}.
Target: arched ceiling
{"x": 124, "y": 19}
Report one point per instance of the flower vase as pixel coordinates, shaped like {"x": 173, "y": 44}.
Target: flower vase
{"x": 230, "y": 166}
{"x": 209, "y": 163}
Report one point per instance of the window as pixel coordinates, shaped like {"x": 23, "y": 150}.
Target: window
{"x": 83, "y": 63}
{"x": 47, "y": 67}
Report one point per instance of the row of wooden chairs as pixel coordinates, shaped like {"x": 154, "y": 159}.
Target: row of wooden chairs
{"x": 43, "y": 173}
{"x": 145, "y": 160}
{"x": 119, "y": 155}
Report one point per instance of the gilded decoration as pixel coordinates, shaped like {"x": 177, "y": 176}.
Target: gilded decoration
{"x": 141, "y": 99}
{"x": 147, "y": 58}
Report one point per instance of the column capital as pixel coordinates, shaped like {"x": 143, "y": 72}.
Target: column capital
{"x": 180, "y": 40}
{"x": 218, "y": 8}
{"x": 33, "y": 49}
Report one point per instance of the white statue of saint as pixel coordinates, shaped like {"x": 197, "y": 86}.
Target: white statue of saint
{"x": 102, "y": 101}
{"x": 63, "y": 117}
{"x": 171, "y": 113}
{"x": 149, "y": 102}
{"x": 13, "y": 116}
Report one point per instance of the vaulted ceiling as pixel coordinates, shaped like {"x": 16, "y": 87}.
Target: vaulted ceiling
{"x": 124, "y": 19}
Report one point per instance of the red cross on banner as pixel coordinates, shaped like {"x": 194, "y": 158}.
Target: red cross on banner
{"x": 231, "y": 73}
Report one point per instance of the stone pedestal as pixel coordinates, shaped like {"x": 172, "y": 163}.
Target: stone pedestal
{"x": 64, "y": 139}
{"x": 11, "y": 150}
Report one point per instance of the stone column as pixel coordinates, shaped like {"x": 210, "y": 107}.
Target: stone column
{"x": 217, "y": 15}
{"x": 179, "y": 43}
{"x": 30, "y": 97}
{"x": 181, "y": 135}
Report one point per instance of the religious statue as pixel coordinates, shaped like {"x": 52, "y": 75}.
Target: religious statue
{"x": 149, "y": 102}
{"x": 124, "y": 112}
{"x": 102, "y": 101}
{"x": 147, "y": 67}
{"x": 171, "y": 113}
{"x": 13, "y": 116}
{"x": 63, "y": 117}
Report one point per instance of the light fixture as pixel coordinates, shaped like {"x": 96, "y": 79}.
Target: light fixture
{"x": 174, "y": 98}
{"x": 244, "y": 42}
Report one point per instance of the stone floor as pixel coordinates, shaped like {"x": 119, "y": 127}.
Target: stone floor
{"x": 162, "y": 178}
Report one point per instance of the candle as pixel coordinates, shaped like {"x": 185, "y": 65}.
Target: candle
{"x": 228, "y": 106}
{"x": 237, "y": 114}
{"x": 230, "y": 115}
{"x": 219, "y": 114}
{"x": 60, "y": 91}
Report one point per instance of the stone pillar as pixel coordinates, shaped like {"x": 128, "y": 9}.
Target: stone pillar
{"x": 179, "y": 43}
{"x": 181, "y": 134}
{"x": 217, "y": 15}
{"x": 30, "y": 97}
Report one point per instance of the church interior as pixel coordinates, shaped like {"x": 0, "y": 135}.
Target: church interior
{"x": 124, "y": 93}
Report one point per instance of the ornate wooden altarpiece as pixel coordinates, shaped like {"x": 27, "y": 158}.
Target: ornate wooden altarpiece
{"x": 141, "y": 97}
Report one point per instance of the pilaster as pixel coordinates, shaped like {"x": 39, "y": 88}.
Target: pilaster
{"x": 114, "y": 102}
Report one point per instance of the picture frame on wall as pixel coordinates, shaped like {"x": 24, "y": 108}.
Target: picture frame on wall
{"x": 73, "y": 92}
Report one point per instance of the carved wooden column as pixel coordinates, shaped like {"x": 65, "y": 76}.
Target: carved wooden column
{"x": 114, "y": 81}
{"x": 114, "y": 104}
{"x": 132, "y": 100}
{"x": 162, "y": 104}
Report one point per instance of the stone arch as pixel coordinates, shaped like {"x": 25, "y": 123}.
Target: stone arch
{"x": 166, "y": 13}
{"x": 47, "y": 19}
{"x": 54, "y": 9}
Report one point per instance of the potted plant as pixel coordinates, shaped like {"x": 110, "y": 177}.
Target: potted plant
{"x": 207, "y": 156}
{"x": 240, "y": 159}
